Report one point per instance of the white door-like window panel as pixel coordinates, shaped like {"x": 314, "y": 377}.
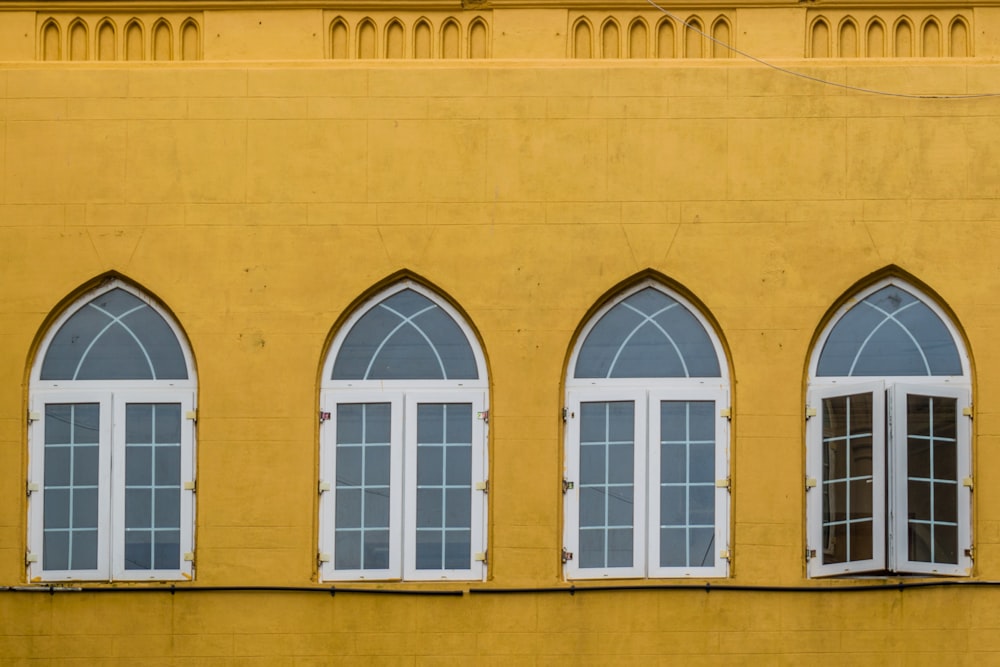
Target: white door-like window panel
{"x": 889, "y": 442}
{"x": 111, "y": 444}
{"x": 405, "y": 391}
{"x": 647, "y": 435}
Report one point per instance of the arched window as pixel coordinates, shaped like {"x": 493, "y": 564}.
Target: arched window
{"x": 111, "y": 438}
{"x": 647, "y": 441}
{"x": 403, "y": 443}
{"x": 889, "y": 439}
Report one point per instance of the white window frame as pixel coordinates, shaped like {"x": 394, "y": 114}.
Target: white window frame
{"x": 647, "y": 393}
{"x": 889, "y": 444}
{"x": 112, "y": 395}
{"x": 404, "y": 395}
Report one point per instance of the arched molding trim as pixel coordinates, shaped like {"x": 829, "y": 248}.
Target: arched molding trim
{"x": 959, "y": 28}
{"x": 582, "y": 39}
{"x": 611, "y": 39}
{"x": 819, "y": 38}
{"x": 478, "y": 42}
{"x": 50, "y": 41}
{"x": 875, "y": 30}
{"x": 847, "y": 25}
{"x": 106, "y": 29}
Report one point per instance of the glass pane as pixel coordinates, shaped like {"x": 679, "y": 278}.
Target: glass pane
{"x": 458, "y": 550}
{"x": 115, "y": 336}
{"x": 592, "y": 551}
{"x": 702, "y": 547}
{"x": 405, "y": 336}
{"x": 620, "y": 547}
{"x": 376, "y": 549}
{"x": 347, "y": 549}
{"x": 139, "y": 550}
{"x": 430, "y": 551}
{"x": 848, "y": 482}
{"x": 647, "y": 334}
{"x": 673, "y": 547}
{"x": 890, "y": 332}
{"x": 167, "y": 550}
{"x": 861, "y": 540}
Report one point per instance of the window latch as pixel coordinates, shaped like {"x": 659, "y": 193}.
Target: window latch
{"x": 567, "y": 556}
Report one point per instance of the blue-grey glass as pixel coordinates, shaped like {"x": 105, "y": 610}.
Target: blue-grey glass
{"x": 458, "y": 423}
{"x": 673, "y": 463}
{"x": 621, "y": 421}
{"x": 592, "y": 548}
{"x": 702, "y": 505}
{"x": 673, "y": 506}
{"x": 86, "y": 423}
{"x": 674, "y": 421}
{"x": 138, "y": 508}
{"x": 673, "y": 547}
{"x": 167, "y": 550}
{"x": 703, "y": 462}
{"x": 168, "y": 465}
{"x": 430, "y": 508}
{"x": 457, "y": 550}
{"x": 86, "y": 464}
{"x": 168, "y": 423}
{"x": 620, "y": 547}
{"x": 592, "y": 464}
{"x": 139, "y": 423}
{"x": 138, "y": 465}
{"x": 349, "y": 423}
{"x": 84, "y": 555}
{"x": 702, "y": 547}
{"x": 57, "y": 466}
{"x": 430, "y": 423}
{"x": 620, "y": 504}
{"x": 377, "y": 467}
{"x": 458, "y": 467}
{"x": 114, "y": 337}
{"x": 376, "y": 508}
{"x": 593, "y": 507}
{"x": 55, "y": 550}
{"x": 405, "y": 337}
{"x": 348, "y": 508}
{"x": 429, "y": 465}
{"x": 884, "y": 334}
{"x": 593, "y": 422}
{"x": 430, "y": 550}
{"x": 349, "y": 461}
{"x": 376, "y": 550}
{"x": 57, "y": 509}
{"x": 168, "y": 508}
{"x": 458, "y": 508}
{"x": 647, "y": 334}
{"x": 58, "y": 419}
{"x": 347, "y": 550}
{"x": 702, "y": 425}
{"x": 377, "y": 422}
{"x": 139, "y": 550}
{"x": 85, "y": 508}
{"x": 621, "y": 468}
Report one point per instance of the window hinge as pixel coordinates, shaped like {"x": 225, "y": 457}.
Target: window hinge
{"x": 727, "y": 413}
{"x": 34, "y": 416}
{"x": 480, "y": 557}
{"x": 565, "y": 414}
{"x": 725, "y": 554}
{"x": 722, "y": 484}
{"x": 191, "y": 415}
{"x": 191, "y": 485}
{"x": 31, "y": 487}
{"x": 567, "y": 485}
{"x": 322, "y": 558}
{"x": 567, "y": 556}
{"x": 810, "y": 554}
{"x": 324, "y": 486}
{"x": 30, "y": 558}
{"x": 810, "y": 412}
{"x": 968, "y": 554}
{"x": 967, "y": 411}
{"x": 483, "y": 486}
{"x": 967, "y": 481}
{"x": 189, "y": 556}
{"x": 324, "y": 416}
{"x": 483, "y": 416}
{"x": 810, "y": 483}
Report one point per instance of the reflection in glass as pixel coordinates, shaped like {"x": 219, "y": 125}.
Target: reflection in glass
{"x": 932, "y": 479}
{"x": 847, "y": 479}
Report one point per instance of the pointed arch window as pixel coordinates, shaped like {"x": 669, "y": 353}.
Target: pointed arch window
{"x": 403, "y": 443}
{"x": 111, "y": 443}
{"x": 647, "y": 435}
{"x": 889, "y": 439}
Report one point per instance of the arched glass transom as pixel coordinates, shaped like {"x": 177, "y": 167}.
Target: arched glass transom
{"x": 889, "y": 333}
{"x": 406, "y": 336}
{"x": 115, "y": 336}
{"x": 647, "y": 335}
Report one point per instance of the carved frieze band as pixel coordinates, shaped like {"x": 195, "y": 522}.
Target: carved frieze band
{"x": 119, "y": 37}
{"x": 429, "y": 35}
{"x": 651, "y": 35}
{"x": 902, "y": 34}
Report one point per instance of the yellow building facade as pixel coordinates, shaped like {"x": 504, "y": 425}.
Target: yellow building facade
{"x": 263, "y": 179}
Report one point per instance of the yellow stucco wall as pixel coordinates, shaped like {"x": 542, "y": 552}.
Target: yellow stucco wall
{"x": 259, "y": 199}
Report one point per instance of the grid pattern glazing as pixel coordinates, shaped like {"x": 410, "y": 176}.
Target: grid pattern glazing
{"x": 932, "y": 479}
{"x": 607, "y": 484}
{"x": 152, "y": 486}
{"x": 687, "y": 483}
{"x": 71, "y": 460}
{"x": 363, "y": 490}
{"x": 444, "y": 486}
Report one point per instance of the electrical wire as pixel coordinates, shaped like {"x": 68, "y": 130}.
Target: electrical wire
{"x": 816, "y": 79}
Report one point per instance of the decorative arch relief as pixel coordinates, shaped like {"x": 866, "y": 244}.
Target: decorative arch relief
{"x": 107, "y": 37}
{"x": 924, "y": 33}
{"x": 627, "y": 35}
{"x": 393, "y": 36}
